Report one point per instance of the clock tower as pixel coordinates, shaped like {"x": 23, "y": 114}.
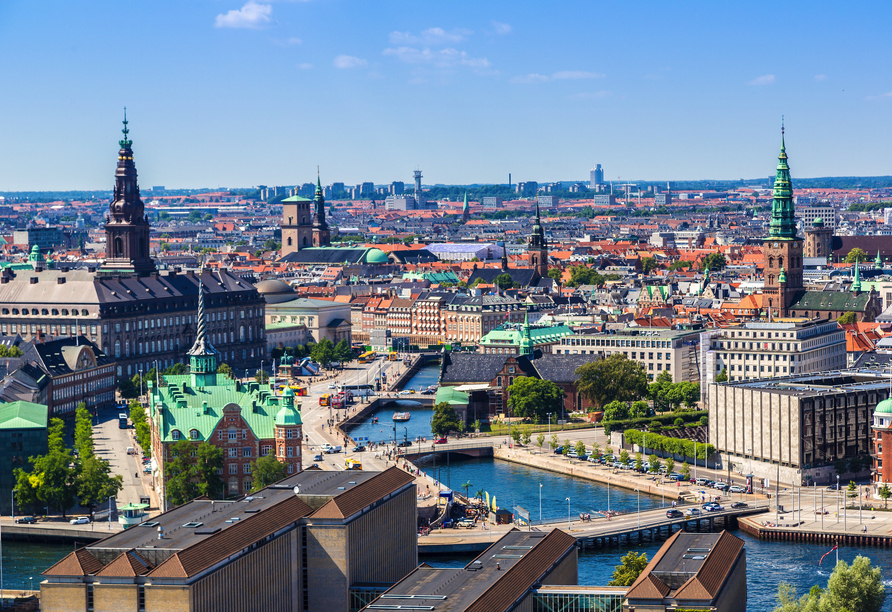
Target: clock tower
{"x": 783, "y": 248}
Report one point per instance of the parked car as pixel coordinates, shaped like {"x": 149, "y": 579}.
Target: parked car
{"x": 593, "y": 459}
{"x": 359, "y": 448}
{"x": 404, "y": 443}
{"x": 81, "y": 520}
{"x": 559, "y": 450}
{"x": 721, "y": 486}
{"x": 674, "y": 513}
{"x": 736, "y": 489}
{"x": 318, "y": 458}
{"x": 833, "y": 487}
{"x": 572, "y": 455}
{"x": 26, "y": 520}
{"x": 702, "y": 482}
{"x": 709, "y": 483}
{"x": 693, "y": 512}
{"x": 740, "y": 505}
{"x": 441, "y": 441}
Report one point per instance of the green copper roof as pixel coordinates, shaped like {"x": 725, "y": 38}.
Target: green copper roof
{"x": 878, "y": 262}
{"x": 23, "y": 415}
{"x": 783, "y": 217}
{"x": 183, "y": 407}
{"x": 287, "y": 415}
{"x": 297, "y": 198}
{"x": 856, "y": 286}
{"x": 844, "y": 301}
{"x": 782, "y": 277}
{"x": 451, "y": 396}
{"x": 434, "y": 277}
{"x": 538, "y": 335}
{"x": 884, "y": 407}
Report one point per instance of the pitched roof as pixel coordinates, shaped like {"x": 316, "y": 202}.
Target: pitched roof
{"x": 648, "y": 586}
{"x": 128, "y": 564}
{"x": 79, "y": 563}
{"x": 364, "y": 494}
{"x": 560, "y": 368}
{"x": 470, "y": 367}
{"x": 23, "y": 415}
{"x": 709, "y": 579}
{"x": 830, "y": 300}
{"x": 223, "y": 544}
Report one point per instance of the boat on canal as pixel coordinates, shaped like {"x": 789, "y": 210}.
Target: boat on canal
{"x": 401, "y": 416}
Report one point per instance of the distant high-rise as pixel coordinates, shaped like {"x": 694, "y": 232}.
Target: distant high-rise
{"x": 417, "y": 183}
{"x": 596, "y": 177}
{"x": 397, "y": 187}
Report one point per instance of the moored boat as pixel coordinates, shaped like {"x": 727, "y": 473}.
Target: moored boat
{"x": 401, "y": 416}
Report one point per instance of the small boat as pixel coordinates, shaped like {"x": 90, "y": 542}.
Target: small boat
{"x": 401, "y": 416}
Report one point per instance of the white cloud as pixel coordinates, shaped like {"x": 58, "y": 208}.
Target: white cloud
{"x": 305, "y": 66}
{"x": 562, "y": 75}
{"x": 765, "y": 79}
{"x": 444, "y": 58}
{"x": 820, "y": 77}
{"x": 252, "y": 15}
{"x": 348, "y": 61}
{"x": 592, "y": 95}
{"x": 501, "y": 28}
{"x": 575, "y": 74}
{"x": 288, "y": 42}
{"x": 433, "y": 37}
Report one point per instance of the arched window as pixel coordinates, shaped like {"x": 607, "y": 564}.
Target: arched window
{"x": 83, "y": 312}
{"x": 117, "y": 348}
{"x": 780, "y": 262}
{"x": 55, "y": 312}
{"x": 771, "y": 262}
{"x": 119, "y": 247}
{"x": 289, "y": 240}
{"x": 241, "y": 333}
{"x": 305, "y": 241}
{"x": 44, "y": 312}
{"x": 193, "y": 434}
{"x": 175, "y": 434}
{"x": 127, "y": 348}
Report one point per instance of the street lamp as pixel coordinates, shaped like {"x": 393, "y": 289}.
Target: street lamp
{"x": 549, "y": 425}
{"x": 638, "y": 491}
{"x": 608, "y": 495}
{"x": 540, "y": 502}
{"x": 569, "y": 524}
{"x": 837, "y": 498}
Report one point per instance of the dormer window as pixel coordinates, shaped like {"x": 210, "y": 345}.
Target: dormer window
{"x": 193, "y": 434}
{"x": 175, "y": 434}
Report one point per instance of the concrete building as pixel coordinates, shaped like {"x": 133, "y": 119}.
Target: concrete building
{"x": 658, "y": 350}
{"x": 47, "y": 238}
{"x": 397, "y": 187}
{"x": 23, "y": 434}
{"x": 808, "y": 214}
{"x": 468, "y": 319}
{"x": 604, "y": 200}
{"x": 547, "y": 201}
{"x": 760, "y": 349}
{"x": 663, "y": 199}
{"x": 491, "y": 202}
{"x": 795, "y": 426}
{"x": 527, "y": 188}
{"x": 314, "y": 542}
{"x": 596, "y": 177}
{"x": 322, "y": 318}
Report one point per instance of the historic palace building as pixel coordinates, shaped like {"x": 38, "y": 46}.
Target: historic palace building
{"x": 137, "y": 316}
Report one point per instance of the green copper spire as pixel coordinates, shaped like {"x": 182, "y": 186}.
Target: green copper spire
{"x": 125, "y": 144}
{"x": 526, "y": 341}
{"x": 465, "y": 208}
{"x": 202, "y": 355}
{"x": 856, "y": 285}
{"x": 782, "y": 277}
{"x": 783, "y": 218}
{"x": 318, "y": 181}
{"x": 878, "y": 262}
{"x": 287, "y": 415}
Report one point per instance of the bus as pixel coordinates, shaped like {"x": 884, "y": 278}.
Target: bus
{"x": 367, "y": 357}
{"x": 325, "y": 399}
{"x": 360, "y": 390}
{"x": 298, "y": 390}
{"x": 394, "y": 356}
{"x": 122, "y": 420}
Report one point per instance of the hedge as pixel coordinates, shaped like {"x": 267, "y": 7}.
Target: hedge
{"x": 674, "y": 446}
{"x": 689, "y": 416}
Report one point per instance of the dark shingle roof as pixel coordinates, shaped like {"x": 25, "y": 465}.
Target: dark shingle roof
{"x": 470, "y": 367}
{"x": 364, "y": 494}
{"x": 830, "y": 300}
{"x": 560, "y": 368}
{"x": 522, "y": 276}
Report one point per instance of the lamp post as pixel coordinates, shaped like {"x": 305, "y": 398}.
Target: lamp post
{"x": 638, "y": 491}
{"x": 608, "y": 495}
{"x": 109, "y": 512}
{"x": 569, "y": 524}
{"x": 837, "y": 498}
{"x": 549, "y": 425}
{"x": 540, "y": 503}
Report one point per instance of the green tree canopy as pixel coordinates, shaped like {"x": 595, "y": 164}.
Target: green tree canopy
{"x": 504, "y": 281}
{"x": 648, "y": 264}
{"x": 614, "y": 378}
{"x": 583, "y": 275}
{"x": 850, "y": 587}
{"x": 225, "y": 369}
{"x": 714, "y": 262}
{"x": 722, "y": 376}
{"x": 343, "y": 352}
{"x": 444, "y": 420}
{"x": 616, "y": 411}
{"x": 847, "y": 318}
{"x": 555, "y": 273}
{"x": 323, "y": 352}
{"x": 856, "y": 255}
{"x": 630, "y": 567}
{"x": 530, "y": 397}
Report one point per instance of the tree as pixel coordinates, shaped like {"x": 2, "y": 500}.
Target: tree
{"x": 654, "y": 463}
{"x": 206, "y": 470}
{"x": 714, "y": 261}
{"x": 141, "y": 427}
{"x": 53, "y": 474}
{"x": 670, "y": 465}
{"x": 631, "y": 566}
{"x": 225, "y": 369}
{"x": 686, "y": 470}
{"x": 323, "y": 352}
{"x": 722, "y": 376}
{"x": 26, "y": 487}
{"x": 857, "y": 587}
{"x": 885, "y": 493}
{"x": 343, "y": 352}
{"x": 208, "y": 217}
{"x": 624, "y": 456}
{"x": 639, "y": 409}
{"x": 856, "y": 255}
{"x": 555, "y": 274}
{"x": 94, "y": 481}
{"x": 529, "y": 397}
{"x": 261, "y": 376}
{"x": 639, "y": 462}
{"x": 540, "y": 440}
{"x": 565, "y": 448}
{"x": 444, "y": 420}
{"x": 504, "y": 281}
{"x": 83, "y": 430}
{"x": 583, "y": 275}
{"x": 553, "y": 443}
{"x": 180, "y": 487}
{"x": 580, "y": 448}
{"x": 847, "y": 318}
{"x": 658, "y": 389}
{"x": 615, "y": 378}
{"x": 265, "y": 471}
{"x": 525, "y": 436}
{"x": 648, "y": 264}
{"x": 616, "y": 411}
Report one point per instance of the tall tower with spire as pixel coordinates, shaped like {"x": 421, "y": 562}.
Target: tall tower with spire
{"x": 321, "y": 233}
{"x": 783, "y": 248}
{"x": 127, "y": 229}
{"x": 537, "y": 247}
{"x": 526, "y": 340}
{"x": 202, "y": 355}
{"x": 465, "y": 210}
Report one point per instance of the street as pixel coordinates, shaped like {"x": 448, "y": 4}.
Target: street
{"x": 110, "y": 443}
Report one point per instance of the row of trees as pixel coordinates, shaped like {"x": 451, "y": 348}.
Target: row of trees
{"x": 676, "y": 446}
{"x": 141, "y": 426}
{"x": 60, "y": 479}
{"x": 324, "y": 352}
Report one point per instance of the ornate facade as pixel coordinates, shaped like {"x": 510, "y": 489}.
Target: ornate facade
{"x": 537, "y": 248}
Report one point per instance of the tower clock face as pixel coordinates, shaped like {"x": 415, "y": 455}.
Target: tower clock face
{"x": 775, "y": 245}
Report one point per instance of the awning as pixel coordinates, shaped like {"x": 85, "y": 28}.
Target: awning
{"x": 473, "y": 387}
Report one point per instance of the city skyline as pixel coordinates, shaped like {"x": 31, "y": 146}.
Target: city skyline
{"x": 236, "y": 94}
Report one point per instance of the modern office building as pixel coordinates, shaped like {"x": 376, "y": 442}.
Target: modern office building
{"x": 47, "y": 238}
{"x": 808, "y": 214}
{"x": 491, "y": 202}
{"x": 313, "y": 542}
{"x": 762, "y": 349}
{"x": 795, "y": 426}
{"x": 596, "y": 177}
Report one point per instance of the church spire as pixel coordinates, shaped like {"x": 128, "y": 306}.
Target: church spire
{"x": 465, "y": 209}
{"x": 878, "y": 262}
{"x": 526, "y": 341}
{"x": 856, "y": 285}
{"x": 783, "y": 217}
{"x": 202, "y": 355}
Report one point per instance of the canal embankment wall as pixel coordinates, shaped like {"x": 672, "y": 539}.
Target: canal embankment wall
{"x": 415, "y": 363}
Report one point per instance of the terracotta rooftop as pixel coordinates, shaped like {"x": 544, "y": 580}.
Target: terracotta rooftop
{"x": 364, "y": 494}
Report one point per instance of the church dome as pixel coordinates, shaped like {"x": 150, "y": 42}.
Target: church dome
{"x": 884, "y": 407}
{"x": 376, "y": 256}
{"x": 274, "y": 291}
{"x": 818, "y": 222}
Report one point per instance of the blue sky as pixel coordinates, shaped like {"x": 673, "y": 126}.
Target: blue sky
{"x": 229, "y": 93}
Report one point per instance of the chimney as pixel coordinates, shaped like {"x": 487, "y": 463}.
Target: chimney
{"x": 33, "y": 280}
{"x": 60, "y": 280}
{"x": 204, "y": 407}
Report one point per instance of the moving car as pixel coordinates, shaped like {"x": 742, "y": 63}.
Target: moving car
{"x": 714, "y": 508}
{"x": 26, "y": 520}
{"x": 740, "y": 505}
{"x": 81, "y": 520}
{"x": 332, "y": 386}
{"x": 358, "y": 448}
{"x": 318, "y": 458}
{"x": 674, "y": 513}
{"x": 693, "y": 512}
{"x": 736, "y": 489}
{"x": 441, "y": 441}
{"x": 404, "y": 443}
